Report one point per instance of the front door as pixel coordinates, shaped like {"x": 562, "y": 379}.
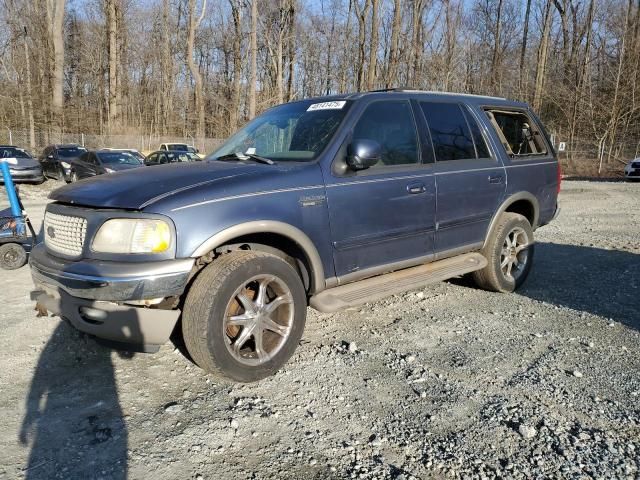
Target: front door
{"x": 384, "y": 215}
{"x": 470, "y": 181}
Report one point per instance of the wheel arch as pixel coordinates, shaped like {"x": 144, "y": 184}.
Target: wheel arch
{"x": 524, "y": 203}
{"x": 271, "y": 234}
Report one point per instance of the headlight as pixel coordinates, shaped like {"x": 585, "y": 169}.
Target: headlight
{"x": 65, "y": 164}
{"x": 131, "y": 235}
{"x": 109, "y": 170}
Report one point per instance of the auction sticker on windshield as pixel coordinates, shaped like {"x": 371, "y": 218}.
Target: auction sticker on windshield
{"x": 327, "y": 106}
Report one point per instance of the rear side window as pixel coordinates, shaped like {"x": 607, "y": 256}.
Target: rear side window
{"x": 390, "y": 123}
{"x": 450, "y": 133}
{"x": 518, "y": 133}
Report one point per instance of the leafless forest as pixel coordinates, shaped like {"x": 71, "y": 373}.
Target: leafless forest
{"x": 202, "y": 68}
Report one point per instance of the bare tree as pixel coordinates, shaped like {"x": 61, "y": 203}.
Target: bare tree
{"x": 194, "y": 23}
{"x": 253, "y": 75}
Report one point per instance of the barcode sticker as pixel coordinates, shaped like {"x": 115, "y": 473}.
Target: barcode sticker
{"x": 327, "y": 106}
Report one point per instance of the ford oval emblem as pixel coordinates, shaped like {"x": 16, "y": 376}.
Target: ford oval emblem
{"x": 51, "y": 232}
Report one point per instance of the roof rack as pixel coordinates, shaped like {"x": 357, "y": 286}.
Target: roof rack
{"x": 410, "y": 89}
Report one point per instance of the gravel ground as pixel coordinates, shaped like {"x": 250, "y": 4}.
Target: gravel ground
{"x": 448, "y": 381}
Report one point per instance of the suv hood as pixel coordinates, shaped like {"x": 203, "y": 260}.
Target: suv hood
{"x": 138, "y": 188}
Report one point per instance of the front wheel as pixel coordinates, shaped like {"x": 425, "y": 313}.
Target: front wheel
{"x": 244, "y": 315}
{"x": 12, "y": 256}
{"x": 509, "y": 252}
{"x": 74, "y": 177}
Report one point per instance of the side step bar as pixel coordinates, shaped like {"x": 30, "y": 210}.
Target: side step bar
{"x": 376, "y": 288}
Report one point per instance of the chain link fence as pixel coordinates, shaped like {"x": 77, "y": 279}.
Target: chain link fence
{"x": 583, "y": 157}
{"x": 144, "y": 143}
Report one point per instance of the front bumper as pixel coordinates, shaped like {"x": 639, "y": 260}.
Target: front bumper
{"x": 92, "y": 295}
{"x": 32, "y": 175}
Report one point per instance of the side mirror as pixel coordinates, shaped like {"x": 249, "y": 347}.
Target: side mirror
{"x": 363, "y": 153}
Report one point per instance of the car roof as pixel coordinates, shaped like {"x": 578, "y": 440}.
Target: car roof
{"x": 66, "y": 145}
{"x": 423, "y": 94}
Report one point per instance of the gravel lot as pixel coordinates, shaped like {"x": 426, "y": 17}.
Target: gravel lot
{"x": 448, "y": 381}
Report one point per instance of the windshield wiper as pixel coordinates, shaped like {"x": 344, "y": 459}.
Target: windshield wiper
{"x": 246, "y": 156}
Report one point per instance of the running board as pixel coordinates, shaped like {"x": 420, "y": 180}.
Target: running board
{"x": 376, "y": 288}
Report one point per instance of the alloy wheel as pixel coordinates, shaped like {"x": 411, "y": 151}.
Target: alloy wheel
{"x": 258, "y": 319}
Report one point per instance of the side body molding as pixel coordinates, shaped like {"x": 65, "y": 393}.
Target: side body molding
{"x": 275, "y": 227}
{"x": 510, "y": 201}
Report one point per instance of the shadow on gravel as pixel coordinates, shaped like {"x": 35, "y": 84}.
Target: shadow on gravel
{"x": 73, "y": 418}
{"x": 593, "y": 280}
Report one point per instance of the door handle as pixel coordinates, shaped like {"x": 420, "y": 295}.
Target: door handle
{"x": 414, "y": 188}
{"x": 495, "y": 178}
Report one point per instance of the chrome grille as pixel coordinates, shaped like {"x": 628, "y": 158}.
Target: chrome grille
{"x": 64, "y": 233}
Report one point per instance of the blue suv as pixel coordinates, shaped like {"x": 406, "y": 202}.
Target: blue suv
{"x": 329, "y": 202}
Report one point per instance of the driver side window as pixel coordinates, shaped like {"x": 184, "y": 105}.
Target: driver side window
{"x": 391, "y": 124}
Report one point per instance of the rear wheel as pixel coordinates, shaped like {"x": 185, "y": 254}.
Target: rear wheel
{"x": 12, "y": 256}
{"x": 509, "y": 253}
{"x": 244, "y": 315}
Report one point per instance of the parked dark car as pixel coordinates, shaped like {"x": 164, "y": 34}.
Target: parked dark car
{"x": 172, "y": 156}
{"x": 23, "y": 167}
{"x": 56, "y": 160}
{"x": 132, "y": 151}
{"x": 93, "y": 163}
{"x": 329, "y": 202}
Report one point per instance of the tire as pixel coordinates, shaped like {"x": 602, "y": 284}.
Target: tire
{"x": 498, "y": 250}
{"x": 74, "y": 176}
{"x": 215, "y": 318}
{"x": 12, "y": 256}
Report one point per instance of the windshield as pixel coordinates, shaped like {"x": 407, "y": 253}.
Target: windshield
{"x": 118, "y": 158}
{"x": 71, "y": 152}
{"x": 12, "y": 152}
{"x": 179, "y": 147}
{"x": 294, "y": 131}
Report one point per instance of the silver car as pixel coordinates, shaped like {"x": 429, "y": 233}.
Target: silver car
{"x": 24, "y": 168}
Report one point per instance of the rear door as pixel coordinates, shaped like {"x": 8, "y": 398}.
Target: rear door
{"x": 470, "y": 180}
{"x": 383, "y": 215}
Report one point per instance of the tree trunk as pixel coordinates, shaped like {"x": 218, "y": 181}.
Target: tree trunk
{"x": 253, "y": 68}
{"x": 237, "y": 65}
{"x": 112, "y": 39}
{"x": 56, "y": 10}
{"x": 373, "y": 46}
{"x": 542, "y": 59}
{"x": 291, "y": 49}
{"x": 523, "y": 50}
{"x": 361, "y": 14}
{"x": 392, "y": 69}
{"x": 416, "y": 42}
{"x": 32, "y": 133}
{"x": 166, "y": 68}
{"x": 495, "y": 59}
{"x": 194, "y": 23}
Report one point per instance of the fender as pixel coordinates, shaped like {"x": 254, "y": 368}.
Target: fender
{"x": 270, "y": 226}
{"x": 507, "y": 203}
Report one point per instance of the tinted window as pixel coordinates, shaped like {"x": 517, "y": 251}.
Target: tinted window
{"x": 153, "y": 158}
{"x": 119, "y": 158}
{"x": 478, "y": 139}
{"x": 391, "y": 125}
{"x": 71, "y": 152}
{"x": 449, "y": 131}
